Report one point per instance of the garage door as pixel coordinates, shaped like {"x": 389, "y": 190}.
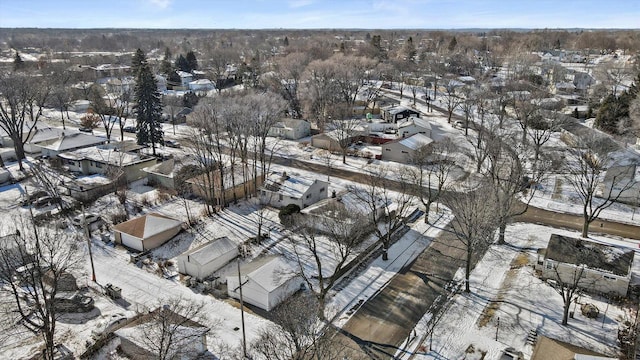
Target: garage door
{"x": 131, "y": 241}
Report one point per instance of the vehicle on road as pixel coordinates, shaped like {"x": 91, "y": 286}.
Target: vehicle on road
{"x": 171, "y": 143}
{"x": 27, "y": 200}
{"x": 85, "y": 219}
{"x": 129, "y": 129}
{"x": 87, "y": 130}
{"x": 46, "y": 201}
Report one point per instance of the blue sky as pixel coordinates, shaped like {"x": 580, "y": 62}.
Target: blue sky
{"x": 306, "y": 14}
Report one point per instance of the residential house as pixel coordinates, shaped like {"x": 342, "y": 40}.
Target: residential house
{"x": 583, "y": 81}
{"x": 202, "y": 261}
{"x": 403, "y": 150}
{"x": 162, "y": 174}
{"x": 146, "y": 232}
{"x": 185, "y": 78}
{"x": 107, "y": 158}
{"x": 266, "y": 282}
{"x": 564, "y": 88}
{"x": 104, "y": 72}
{"x": 414, "y": 125}
{"x": 331, "y": 140}
{"x": 44, "y": 136}
{"x": 550, "y": 349}
{"x": 202, "y": 85}
{"x": 282, "y": 189}
{"x": 291, "y": 129}
{"x": 595, "y": 267}
{"x": 623, "y": 180}
{"x": 70, "y": 141}
{"x": 348, "y": 207}
{"x": 224, "y": 187}
{"x": 393, "y": 113}
{"x": 140, "y": 339}
{"x": 120, "y": 85}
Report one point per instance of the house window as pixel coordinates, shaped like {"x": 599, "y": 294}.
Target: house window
{"x": 98, "y": 165}
{"x": 321, "y": 190}
{"x": 308, "y": 196}
{"x": 608, "y": 277}
{"x": 549, "y": 265}
{"x": 387, "y": 149}
{"x": 280, "y": 197}
{"x": 405, "y": 152}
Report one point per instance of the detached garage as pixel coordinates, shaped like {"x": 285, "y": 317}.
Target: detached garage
{"x": 207, "y": 258}
{"x": 266, "y": 282}
{"x": 146, "y": 232}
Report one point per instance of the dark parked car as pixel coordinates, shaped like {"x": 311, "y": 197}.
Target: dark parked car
{"x": 87, "y": 130}
{"x": 33, "y": 197}
{"x": 129, "y": 129}
{"x": 46, "y": 201}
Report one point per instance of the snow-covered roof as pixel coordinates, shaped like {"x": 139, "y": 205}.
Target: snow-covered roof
{"x": 423, "y": 123}
{"x": 270, "y": 272}
{"x": 602, "y": 257}
{"x": 104, "y": 155}
{"x": 108, "y": 67}
{"x": 416, "y": 141}
{"x": 291, "y": 185}
{"x": 183, "y": 74}
{"x": 47, "y": 133}
{"x": 201, "y": 82}
{"x": 212, "y": 250}
{"x": 148, "y": 225}
{"x": 74, "y": 140}
{"x": 396, "y": 109}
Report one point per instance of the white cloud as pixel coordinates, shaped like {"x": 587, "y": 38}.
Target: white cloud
{"x": 163, "y": 4}
{"x": 299, "y": 3}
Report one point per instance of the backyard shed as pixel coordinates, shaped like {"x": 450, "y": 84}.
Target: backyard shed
{"x": 207, "y": 258}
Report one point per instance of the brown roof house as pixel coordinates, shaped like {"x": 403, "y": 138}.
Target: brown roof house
{"x": 551, "y": 349}
{"x": 147, "y": 231}
{"x": 594, "y": 267}
{"x": 163, "y": 332}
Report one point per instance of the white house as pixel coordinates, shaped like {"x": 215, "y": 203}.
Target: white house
{"x": 147, "y": 231}
{"x": 202, "y": 85}
{"x": 403, "y": 150}
{"x": 44, "y": 136}
{"x": 266, "y": 282}
{"x": 99, "y": 159}
{"x": 207, "y": 258}
{"x": 592, "y": 266}
{"x": 623, "y": 179}
{"x": 185, "y": 78}
{"x": 292, "y": 129}
{"x": 69, "y": 141}
{"x": 414, "y": 125}
{"x": 282, "y": 189}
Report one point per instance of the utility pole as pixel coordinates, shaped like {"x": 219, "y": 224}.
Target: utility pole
{"x": 244, "y": 338}
{"x": 88, "y": 235}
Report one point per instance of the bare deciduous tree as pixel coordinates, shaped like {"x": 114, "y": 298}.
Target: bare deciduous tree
{"x": 432, "y": 172}
{"x": 22, "y": 98}
{"x": 44, "y": 256}
{"x": 474, "y": 221}
{"x": 587, "y": 165}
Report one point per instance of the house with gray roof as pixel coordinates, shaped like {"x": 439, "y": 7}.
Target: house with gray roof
{"x": 393, "y": 113}
{"x": 282, "y": 189}
{"x": 291, "y": 129}
{"x": 593, "y": 266}
{"x": 403, "y": 150}
{"x": 70, "y": 141}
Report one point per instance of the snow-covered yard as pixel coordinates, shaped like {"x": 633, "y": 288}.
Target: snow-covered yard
{"x": 507, "y": 301}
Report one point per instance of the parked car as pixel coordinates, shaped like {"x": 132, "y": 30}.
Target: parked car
{"x": 87, "y": 130}
{"x": 172, "y": 143}
{"x": 27, "y": 200}
{"x": 85, "y": 218}
{"x": 129, "y": 129}
{"x": 46, "y": 201}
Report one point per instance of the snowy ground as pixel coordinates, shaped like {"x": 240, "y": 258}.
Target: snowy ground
{"x": 522, "y": 303}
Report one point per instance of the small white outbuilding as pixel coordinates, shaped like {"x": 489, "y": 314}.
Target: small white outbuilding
{"x": 266, "y": 282}
{"x": 207, "y": 258}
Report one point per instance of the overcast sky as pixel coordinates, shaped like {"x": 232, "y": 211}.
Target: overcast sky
{"x": 309, "y": 14}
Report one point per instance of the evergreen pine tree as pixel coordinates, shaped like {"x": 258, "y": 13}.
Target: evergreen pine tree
{"x": 182, "y": 64}
{"x": 137, "y": 60}
{"x": 148, "y": 107}
{"x": 192, "y": 62}
{"x": 453, "y": 44}
{"x": 286, "y": 41}
{"x": 18, "y": 63}
{"x": 166, "y": 67}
